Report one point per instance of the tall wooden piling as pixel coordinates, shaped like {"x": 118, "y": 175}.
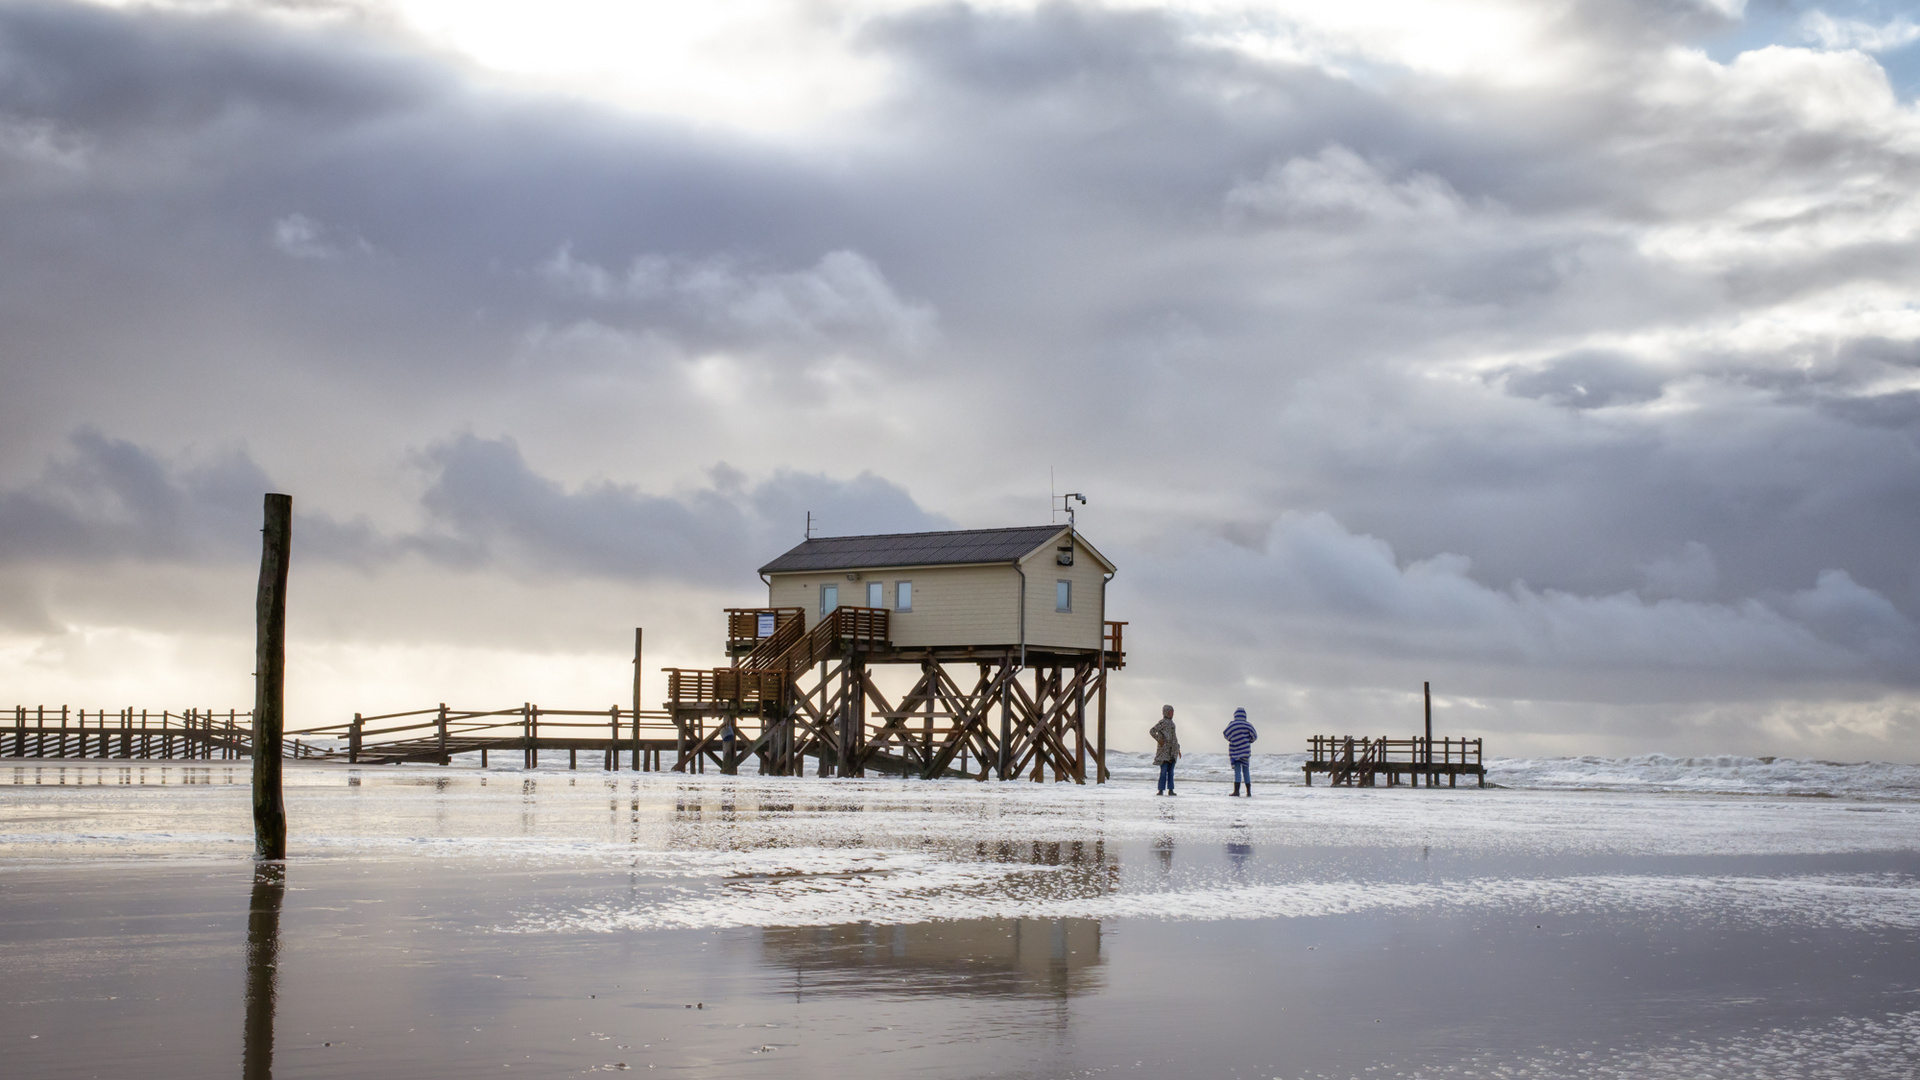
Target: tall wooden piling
{"x": 270, "y": 680}
{"x": 636, "y": 702}
{"x": 1426, "y": 691}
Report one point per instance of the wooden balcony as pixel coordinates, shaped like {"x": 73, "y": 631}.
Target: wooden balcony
{"x": 748, "y": 629}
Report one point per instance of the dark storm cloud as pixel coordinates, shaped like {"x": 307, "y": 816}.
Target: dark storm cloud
{"x": 1326, "y": 592}
{"x": 484, "y": 508}
{"x": 486, "y": 503}
{"x": 109, "y": 499}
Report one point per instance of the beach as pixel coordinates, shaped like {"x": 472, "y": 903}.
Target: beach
{"x": 1582, "y": 918}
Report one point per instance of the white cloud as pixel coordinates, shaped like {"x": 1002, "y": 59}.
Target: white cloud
{"x": 1842, "y": 33}
{"x": 1332, "y": 590}
{"x": 842, "y": 295}
{"x": 42, "y": 144}
{"x": 298, "y": 236}
{"x": 1336, "y": 189}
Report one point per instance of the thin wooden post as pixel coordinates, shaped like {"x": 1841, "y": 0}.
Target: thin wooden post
{"x": 353, "y": 740}
{"x": 1100, "y": 722}
{"x": 441, "y": 728}
{"x": 613, "y": 739}
{"x": 1426, "y": 691}
{"x": 636, "y": 700}
{"x": 270, "y": 680}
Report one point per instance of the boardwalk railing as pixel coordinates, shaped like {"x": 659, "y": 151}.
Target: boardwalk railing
{"x": 1358, "y": 761}
{"x": 42, "y": 731}
{"x": 438, "y": 734}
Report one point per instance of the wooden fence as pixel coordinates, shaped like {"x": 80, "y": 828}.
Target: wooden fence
{"x": 42, "y": 731}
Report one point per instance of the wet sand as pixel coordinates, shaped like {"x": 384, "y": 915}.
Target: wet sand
{"x": 446, "y": 923}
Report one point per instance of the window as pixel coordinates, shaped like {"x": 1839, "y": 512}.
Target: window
{"x": 829, "y": 598}
{"x": 903, "y": 596}
{"x": 1063, "y": 596}
{"x": 876, "y": 594}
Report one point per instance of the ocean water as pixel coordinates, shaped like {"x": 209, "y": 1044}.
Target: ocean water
{"x": 1727, "y": 774}
{"x": 1583, "y": 918}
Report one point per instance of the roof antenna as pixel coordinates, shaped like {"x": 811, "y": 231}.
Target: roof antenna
{"x": 1053, "y": 517}
{"x": 809, "y": 524}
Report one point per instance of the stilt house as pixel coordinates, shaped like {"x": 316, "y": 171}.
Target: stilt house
{"x": 1005, "y": 631}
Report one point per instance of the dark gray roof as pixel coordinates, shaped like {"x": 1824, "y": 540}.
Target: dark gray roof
{"x": 913, "y": 549}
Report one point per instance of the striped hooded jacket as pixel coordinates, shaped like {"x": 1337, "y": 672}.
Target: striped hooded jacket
{"x": 1240, "y": 736}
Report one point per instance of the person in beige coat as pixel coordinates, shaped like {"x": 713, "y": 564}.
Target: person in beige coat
{"x": 1166, "y": 749}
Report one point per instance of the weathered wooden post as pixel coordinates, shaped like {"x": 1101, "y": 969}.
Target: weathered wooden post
{"x": 270, "y": 680}
{"x": 1426, "y": 691}
{"x": 441, "y": 729}
{"x": 636, "y": 702}
{"x": 353, "y": 740}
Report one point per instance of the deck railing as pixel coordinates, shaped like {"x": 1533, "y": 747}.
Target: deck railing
{"x": 745, "y": 686}
{"x": 744, "y": 626}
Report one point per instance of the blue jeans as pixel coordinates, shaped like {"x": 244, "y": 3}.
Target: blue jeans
{"x": 1166, "y": 778}
{"x": 1242, "y": 774}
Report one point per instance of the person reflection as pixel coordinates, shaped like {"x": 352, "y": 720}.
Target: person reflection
{"x": 1163, "y": 850}
{"x": 263, "y": 964}
{"x": 1238, "y": 852}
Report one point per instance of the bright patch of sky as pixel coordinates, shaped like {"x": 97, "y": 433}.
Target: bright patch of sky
{"x": 1887, "y": 31}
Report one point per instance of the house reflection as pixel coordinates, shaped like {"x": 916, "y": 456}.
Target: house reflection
{"x": 1041, "y": 958}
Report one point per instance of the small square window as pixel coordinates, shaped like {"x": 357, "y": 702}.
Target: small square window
{"x": 903, "y": 596}
{"x": 876, "y": 594}
{"x": 829, "y": 598}
{"x": 1063, "y": 596}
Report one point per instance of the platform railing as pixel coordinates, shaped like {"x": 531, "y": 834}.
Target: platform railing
{"x": 744, "y": 627}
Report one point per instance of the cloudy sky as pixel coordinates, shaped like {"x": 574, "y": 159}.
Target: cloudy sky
{"x": 1564, "y": 354}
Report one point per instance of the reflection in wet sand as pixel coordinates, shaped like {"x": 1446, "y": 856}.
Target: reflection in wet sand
{"x": 263, "y": 969}
{"x": 1239, "y": 852}
{"x": 1163, "y": 852}
{"x": 1056, "y": 958}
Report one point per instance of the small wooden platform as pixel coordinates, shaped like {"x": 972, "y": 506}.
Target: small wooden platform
{"x": 1361, "y": 761}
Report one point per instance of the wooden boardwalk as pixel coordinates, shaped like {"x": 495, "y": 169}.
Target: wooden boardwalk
{"x": 612, "y": 739}
{"x": 135, "y": 735}
{"x": 1362, "y": 761}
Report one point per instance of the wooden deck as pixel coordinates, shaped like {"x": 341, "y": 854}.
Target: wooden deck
{"x": 1362, "y": 761}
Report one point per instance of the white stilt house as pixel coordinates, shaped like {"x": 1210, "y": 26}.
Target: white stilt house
{"x": 1025, "y": 608}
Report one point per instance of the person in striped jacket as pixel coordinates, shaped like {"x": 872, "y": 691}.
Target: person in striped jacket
{"x": 1240, "y": 736}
